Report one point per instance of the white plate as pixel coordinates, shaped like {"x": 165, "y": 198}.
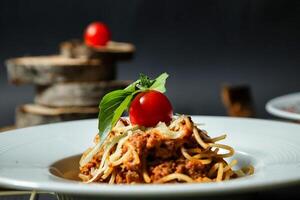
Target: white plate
{"x": 280, "y": 106}
{"x": 272, "y": 147}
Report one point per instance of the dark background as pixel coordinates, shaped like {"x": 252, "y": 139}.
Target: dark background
{"x": 201, "y": 44}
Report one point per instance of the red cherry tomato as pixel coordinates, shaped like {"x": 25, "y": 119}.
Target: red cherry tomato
{"x": 96, "y": 34}
{"x": 149, "y": 108}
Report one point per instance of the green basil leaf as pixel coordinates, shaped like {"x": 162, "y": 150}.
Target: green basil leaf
{"x": 145, "y": 81}
{"x": 159, "y": 84}
{"x": 132, "y": 86}
{"x": 108, "y": 105}
{"x": 119, "y": 111}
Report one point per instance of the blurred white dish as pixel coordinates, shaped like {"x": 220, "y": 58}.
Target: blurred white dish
{"x": 27, "y": 156}
{"x": 286, "y": 106}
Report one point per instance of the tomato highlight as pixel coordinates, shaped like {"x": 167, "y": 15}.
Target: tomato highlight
{"x": 149, "y": 108}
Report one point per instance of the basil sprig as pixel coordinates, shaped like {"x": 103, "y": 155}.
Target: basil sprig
{"x": 114, "y": 104}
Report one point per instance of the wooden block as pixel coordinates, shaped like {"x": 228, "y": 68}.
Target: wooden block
{"x": 76, "y": 93}
{"x": 112, "y": 51}
{"x": 44, "y": 70}
{"x": 32, "y": 114}
{"x": 238, "y": 101}
{"x": 7, "y": 128}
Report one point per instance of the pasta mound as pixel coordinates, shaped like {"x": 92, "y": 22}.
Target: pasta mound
{"x": 175, "y": 153}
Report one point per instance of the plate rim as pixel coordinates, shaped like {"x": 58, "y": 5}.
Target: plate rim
{"x": 271, "y": 109}
{"x": 108, "y": 190}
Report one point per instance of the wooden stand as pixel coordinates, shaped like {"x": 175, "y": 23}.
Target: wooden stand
{"x": 112, "y": 51}
{"x": 32, "y": 114}
{"x": 69, "y": 86}
{"x": 45, "y": 70}
{"x": 7, "y": 128}
{"x": 238, "y": 101}
{"x": 75, "y": 93}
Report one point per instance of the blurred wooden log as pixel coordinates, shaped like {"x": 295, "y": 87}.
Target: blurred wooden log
{"x": 7, "y": 128}
{"x": 44, "y": 70}
{"x": 76, "y": 93}
{"x": 32, "y": 114}
{"x": 238, "y": 101}
{"x": 113, "y": 51}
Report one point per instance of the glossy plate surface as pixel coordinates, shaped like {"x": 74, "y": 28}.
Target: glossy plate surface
{"x": 273, "y": 148}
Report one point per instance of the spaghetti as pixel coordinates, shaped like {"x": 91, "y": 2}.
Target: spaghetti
{"x": 175, "y": 153}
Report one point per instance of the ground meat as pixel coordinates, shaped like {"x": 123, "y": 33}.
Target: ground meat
{"x": 133, "y": 177}
{"x": 153, "y": 145}
{"x": 131, "y": 164}
{"x": 128, "y": 177}
{"x": 191, "y": 168}
{"x": 86, "y": 169}
{"x": 194, "y": 168}
{"x": 166, "y": 149}
{"x": 94, "y": 163}
{"x": 161, "y": 170}
{"x": 180, "y": 166}
{"x": 154, "y": 139}
{"x": 191, "y": 143}
{"x": 138, "y": 141}
{"x": 120, "y": 177}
